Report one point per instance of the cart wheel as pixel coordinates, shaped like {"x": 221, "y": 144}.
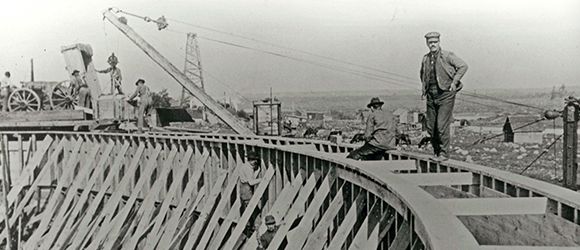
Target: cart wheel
{"x": 24, "y": 100}
{"x": 63, "y": 96}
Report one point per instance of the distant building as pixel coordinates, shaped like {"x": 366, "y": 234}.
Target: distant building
{"x": 315, "y": 115}
{"x": 293, "y": 120}
{"x": 402, "y": 116}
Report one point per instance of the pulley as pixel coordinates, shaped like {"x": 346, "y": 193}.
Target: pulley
{"x": 552, "y": 114}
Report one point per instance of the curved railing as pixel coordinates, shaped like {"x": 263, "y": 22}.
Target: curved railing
{"x": 404, "y": 212}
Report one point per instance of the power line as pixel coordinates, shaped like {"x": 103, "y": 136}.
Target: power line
{"x": 345, "y": 62}
{"x": 347, "y": 70}
{"x": 292, "y": 49}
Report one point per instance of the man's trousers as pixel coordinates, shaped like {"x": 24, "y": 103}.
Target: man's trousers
{"x": 439, "y": 117}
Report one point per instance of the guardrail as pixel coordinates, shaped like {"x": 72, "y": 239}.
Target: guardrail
{"x": 403, "y": 212}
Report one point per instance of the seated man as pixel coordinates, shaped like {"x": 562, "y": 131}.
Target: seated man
{"x": 267, "y": 237}
{"x": 380, "y": 133}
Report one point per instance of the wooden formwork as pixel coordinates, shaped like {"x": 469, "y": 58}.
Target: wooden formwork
{"x": 120, "y": 191}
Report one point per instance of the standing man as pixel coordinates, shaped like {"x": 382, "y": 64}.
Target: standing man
{"x": 144, "y": 103}
{"x": 82, "y": 89}
{"x": 115, "y": 74}
{"x": 380, "y": 133}
{"x": 7, "y": 86}
{"x": 249, "y": 172}
{"x": 441, "y": 72}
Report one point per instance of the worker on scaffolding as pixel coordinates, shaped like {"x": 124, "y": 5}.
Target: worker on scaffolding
{"x": 144, "y": 103}
{"x": 82, "y": 89}
{"x": 249, "y": 172}
{"x": 380, "y": 133}
{"x": 115, "y": 74}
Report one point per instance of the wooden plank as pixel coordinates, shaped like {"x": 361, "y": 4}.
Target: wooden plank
{"x": 188, "y": 219}
{"x": 439, "y": 179}
{"x": 44, "y": 115}
{"x": 164, "y": 208}
{"x": 213, "y": 221}
{"x": 112, "y": 225}
{"x": 51, "y": 207}
{"x": 142, "y": 217}
{"x": 318, "y": 238}
{"x": 303, "y": 229}
{"x": 47, "y": 124}
{"x": 83, "y": 231}
{"x": 90, "y": 184}
{"x": 295, "y": 210}
{"x": 173, "y": 223}
{"x": 496, "y": 206}
{"x": 51, "y": 160}
{"x": 210, "y": 208}
{"x": 33, "y": 163}
{"x": 244, "y": 220}
{"x": 348, "y": 223}
{"x": 402, "y": 239}
{"x": 363, "y": 232}
{"x": 60, "y": 219}
{"x": 394, "y": 165}
{"x": 232, "y": 216}
{"x": 380, "y": 230}
{"x": 278, "y": 210}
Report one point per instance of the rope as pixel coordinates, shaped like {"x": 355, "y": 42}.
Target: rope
{"x": 543, "y": 152}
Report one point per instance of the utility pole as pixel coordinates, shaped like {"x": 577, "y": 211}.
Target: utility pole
{"x": 31, "y": 70}
{"x": 192, "y": 68}
{"x": 569, "y": 159}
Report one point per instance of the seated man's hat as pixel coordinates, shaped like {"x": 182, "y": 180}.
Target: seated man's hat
{"x": 432, "y": 34}
{"x": 140, "y": 80}
{"x": 375, "y": 100}
{"x": 270, "y": 220}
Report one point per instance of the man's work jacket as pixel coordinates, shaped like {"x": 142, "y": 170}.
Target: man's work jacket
{"x": 448, "y": 68}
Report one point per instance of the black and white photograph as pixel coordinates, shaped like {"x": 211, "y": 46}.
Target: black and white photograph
{"x": 289, "y": 125}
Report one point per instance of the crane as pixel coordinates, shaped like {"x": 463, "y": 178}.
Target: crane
{"x": 180, "y": 77}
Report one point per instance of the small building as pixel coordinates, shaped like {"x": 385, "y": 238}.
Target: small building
{"x": 403, "y": 116}
{"x": 294, "y": 120}
{"x": 315, "y": 115}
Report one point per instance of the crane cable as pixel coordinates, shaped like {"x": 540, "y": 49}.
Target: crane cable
{"x": 543, "y": 152}
{"x": 364, "y": 74}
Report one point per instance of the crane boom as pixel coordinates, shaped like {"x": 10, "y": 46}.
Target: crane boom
{"x": 179, "y": 76}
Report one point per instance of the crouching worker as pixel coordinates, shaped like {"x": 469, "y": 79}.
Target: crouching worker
{"x": 380, "y": 133}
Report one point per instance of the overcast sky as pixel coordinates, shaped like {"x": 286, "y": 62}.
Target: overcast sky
{"x": 300, "y": 45}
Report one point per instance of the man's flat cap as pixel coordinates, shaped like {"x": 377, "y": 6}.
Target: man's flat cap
{"x": 432, "y": 35}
